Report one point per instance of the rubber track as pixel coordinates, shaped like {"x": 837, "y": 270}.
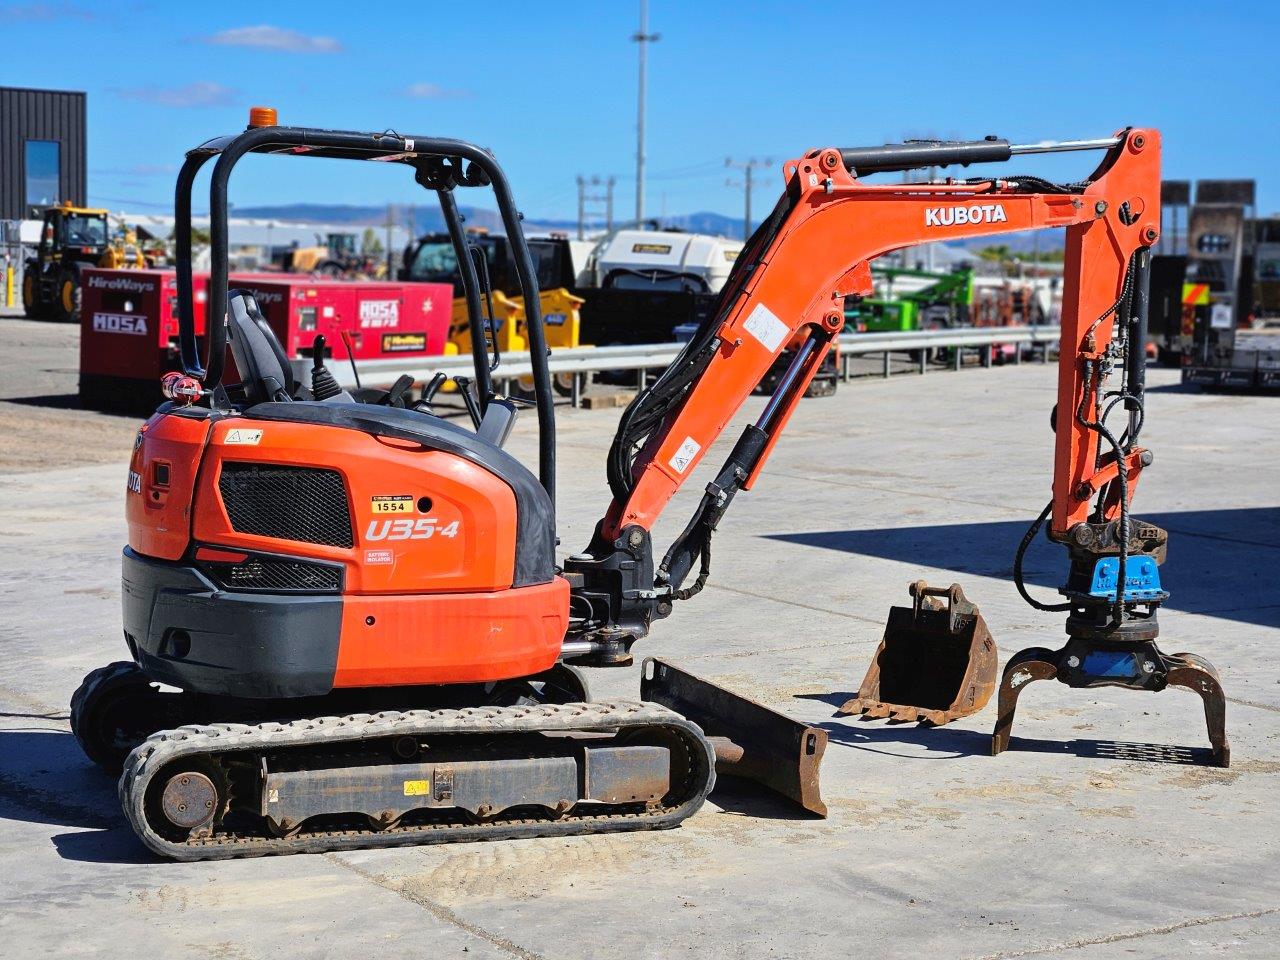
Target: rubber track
{"x": 159, "y": 750}
{"x": 91, "y": 681}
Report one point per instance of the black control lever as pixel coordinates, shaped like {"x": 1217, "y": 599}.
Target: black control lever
{"x": 323, "y": 383}
{"x": 433, "y": 387}
{"x": 401, "y": 389}
{"x": 429, "y": 391}
{"x": 468, "y": 399}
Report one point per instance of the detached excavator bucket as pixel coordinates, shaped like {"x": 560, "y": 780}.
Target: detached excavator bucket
{"x": 936, "y": 663}
{"x": 750, "y": 740}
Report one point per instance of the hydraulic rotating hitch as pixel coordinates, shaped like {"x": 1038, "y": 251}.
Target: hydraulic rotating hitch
{"x": 1112, "y": 634}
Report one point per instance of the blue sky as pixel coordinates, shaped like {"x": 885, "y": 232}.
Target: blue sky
{"x": 550, "y": 86}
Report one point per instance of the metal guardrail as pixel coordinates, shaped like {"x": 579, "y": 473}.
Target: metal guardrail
{"x": 576, "y": 360}
{"x": 657, "y": 356}
{"x": 958, "y": 339}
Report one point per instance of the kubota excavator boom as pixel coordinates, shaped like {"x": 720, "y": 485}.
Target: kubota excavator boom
{"x": 812, "y": 252}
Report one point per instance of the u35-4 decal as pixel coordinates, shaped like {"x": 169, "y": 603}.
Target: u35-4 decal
{"x": 404, "y": 528}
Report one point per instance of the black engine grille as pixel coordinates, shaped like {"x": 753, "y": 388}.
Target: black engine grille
{"x": 274, "y": 573}
{"x": 307, "y": 504}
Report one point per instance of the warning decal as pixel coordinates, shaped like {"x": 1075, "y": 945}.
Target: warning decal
{"x": 684, "y": 456}
{"x": 764, "y": 325}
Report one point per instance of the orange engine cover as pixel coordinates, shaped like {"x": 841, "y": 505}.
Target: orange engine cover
{"x": 162, "y": 479}
{"x": 426, "y": 543}
{"x": 422, "y": 520}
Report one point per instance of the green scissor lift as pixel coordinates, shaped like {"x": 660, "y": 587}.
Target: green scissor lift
{"x": 952, "y": 292}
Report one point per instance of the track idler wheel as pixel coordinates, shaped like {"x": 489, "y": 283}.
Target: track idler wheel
{"x": 189, "y": 800}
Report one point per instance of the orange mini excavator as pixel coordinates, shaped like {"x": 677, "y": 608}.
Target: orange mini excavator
{"x": 346, "y": 619}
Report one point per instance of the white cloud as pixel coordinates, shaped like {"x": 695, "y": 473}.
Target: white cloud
{"x": 431, "y": 91}
{"x": 202, "y": 93}
{"x": 275, "y": 38}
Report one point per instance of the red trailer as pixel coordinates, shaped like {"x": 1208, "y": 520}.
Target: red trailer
{"x": 129, "y": 334}
{"x": 379, "y": 319}
{"x": 129, "y": 325}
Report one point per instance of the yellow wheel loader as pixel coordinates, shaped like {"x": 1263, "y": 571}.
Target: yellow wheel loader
{"x": 71, "y": 238}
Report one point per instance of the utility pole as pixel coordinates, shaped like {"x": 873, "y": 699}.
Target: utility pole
{"x": 644, "y": 38}
{"x": 391, "y": 221}
{"x": 584, "y": 198}
{"x": 747, "y": 183}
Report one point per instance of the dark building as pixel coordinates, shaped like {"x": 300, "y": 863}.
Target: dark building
{"x": 42, "y": 150}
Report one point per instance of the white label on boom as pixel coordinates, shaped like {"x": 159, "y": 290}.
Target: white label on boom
{"x": 684, "y": 456}
{"x": 764, "y": 325}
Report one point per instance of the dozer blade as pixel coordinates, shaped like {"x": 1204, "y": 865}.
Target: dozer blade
{"x": 750, "y": 740}
{"x": 936, "y": 663}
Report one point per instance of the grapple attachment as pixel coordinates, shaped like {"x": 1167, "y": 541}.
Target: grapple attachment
{"x": 936, "y": 663}
{"x": 750, "y": 740}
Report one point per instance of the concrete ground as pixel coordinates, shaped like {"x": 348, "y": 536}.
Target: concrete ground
{"x": 1073, "y": 844}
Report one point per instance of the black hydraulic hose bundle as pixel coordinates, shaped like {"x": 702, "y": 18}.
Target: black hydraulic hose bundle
{"x": 1027, "y": 184}
{"x": 1018, "y": 580}
{"x": 1122, "y": 479}
{"x": 652, "y": 405}
{"x": 1093, "y": 374}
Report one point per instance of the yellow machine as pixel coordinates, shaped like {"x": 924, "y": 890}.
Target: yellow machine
{"x": 560, "y": 317}
{"x": 561, "y": 321}
{"x": 339, "y": 257}
{"x": 71, "y": 239}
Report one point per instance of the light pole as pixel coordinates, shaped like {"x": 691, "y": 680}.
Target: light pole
{"x": 644, "y": 38}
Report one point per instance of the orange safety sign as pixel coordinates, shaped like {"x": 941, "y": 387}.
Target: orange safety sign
{"x": 1195, "y": 294}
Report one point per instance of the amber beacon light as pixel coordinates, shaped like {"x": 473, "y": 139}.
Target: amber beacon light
{"x": 263, "y": 117}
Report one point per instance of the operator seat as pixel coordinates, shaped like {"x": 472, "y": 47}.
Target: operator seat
{"x": 264, "y": 369}
{"x": 268, "y": 382}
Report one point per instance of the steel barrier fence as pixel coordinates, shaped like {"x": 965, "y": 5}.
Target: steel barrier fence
{"x": 578, "y": 361}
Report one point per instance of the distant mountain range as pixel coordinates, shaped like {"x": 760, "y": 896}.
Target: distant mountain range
{"x": 427, "y": 219}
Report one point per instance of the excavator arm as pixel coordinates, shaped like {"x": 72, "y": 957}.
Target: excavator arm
{"x": 790, "y": 283}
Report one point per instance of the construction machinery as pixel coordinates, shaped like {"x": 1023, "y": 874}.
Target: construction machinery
{"x": 1225, "y": 337}
{"x": 924, "y": 299}
{"x": 338, "y": 256}
{"x": 664, "y": 260}
{"x": 129, "y": 330}
{"x": 72, "y": 238}
{"x": 432, "y": 258}
{"x": 356, "y": 609}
